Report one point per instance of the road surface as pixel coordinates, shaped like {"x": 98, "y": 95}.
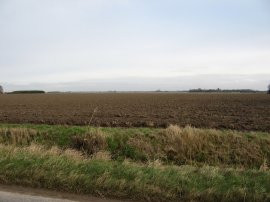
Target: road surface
{"x": 16, "y": 197}
{"x": 24, "y": 194}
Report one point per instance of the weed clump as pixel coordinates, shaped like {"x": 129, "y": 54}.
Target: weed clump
{"x": 124, "y": 146}
{"x": 89, "y": 143}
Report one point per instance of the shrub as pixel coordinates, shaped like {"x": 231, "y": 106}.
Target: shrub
{"x": 27, "y": 92}
{"x": 90, "y": 143}
{"x": 1, "y": 90}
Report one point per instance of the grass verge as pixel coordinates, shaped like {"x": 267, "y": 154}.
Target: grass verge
{"x": 68, "y": 170}
{"x": 172, "y": 164}
{"x": 174, "y": 145}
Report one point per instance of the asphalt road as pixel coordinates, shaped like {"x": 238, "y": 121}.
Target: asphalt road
{"x": 26, "y": 194}
{"x": 16, "y": 197}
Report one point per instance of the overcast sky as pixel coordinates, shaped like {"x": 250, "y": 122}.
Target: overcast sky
{"x": 134, "y": 44}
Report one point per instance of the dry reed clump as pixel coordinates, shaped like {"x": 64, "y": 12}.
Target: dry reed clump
{"x": 18, "y": 136}
{"x": 73, "y": 154}
{"x": 191, "y": 145}
{"x": 155, "y": 163}
{"x": 43, "y": 151}
{"x": 89, "y": 143}
{"x": 143, "y": 144}
{"x": 37, "y": 149}
{"x": 264, "y": 166}
{"x": 102, "y": 155}
{"x": 54, "y": 151}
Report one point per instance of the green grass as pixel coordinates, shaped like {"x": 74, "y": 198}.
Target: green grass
{"x": 61, "y": 135}
{"x": 147, "y": 164}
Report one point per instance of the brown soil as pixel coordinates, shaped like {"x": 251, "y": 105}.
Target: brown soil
{"x": 231, "y": 111}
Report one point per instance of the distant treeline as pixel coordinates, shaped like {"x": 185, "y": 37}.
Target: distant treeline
{"x": 198, "y": 90}
{"x": 27, "y": 92}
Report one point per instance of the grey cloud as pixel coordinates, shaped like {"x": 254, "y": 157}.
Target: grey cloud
{"x": 256, "y": 82}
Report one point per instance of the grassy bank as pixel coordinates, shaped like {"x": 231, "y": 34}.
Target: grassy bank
{"x": 174, "y": 145}
{"x": 70, "y": 171}
{"x": 173, "y": 164}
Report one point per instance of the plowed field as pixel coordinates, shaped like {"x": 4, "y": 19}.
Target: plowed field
{"x": 230, "y": 111}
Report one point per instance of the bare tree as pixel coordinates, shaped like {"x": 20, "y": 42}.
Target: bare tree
{"x": 1, "y": 90}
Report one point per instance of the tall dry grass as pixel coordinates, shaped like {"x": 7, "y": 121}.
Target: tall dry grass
{"x": 185, "y": 145}
{"x": 204, "y": 146}
{"x": 18, "y": 136}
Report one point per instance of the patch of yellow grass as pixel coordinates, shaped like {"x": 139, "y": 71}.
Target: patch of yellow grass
{"x": 102, "y": 155}
{"x": 17, "y": 136}
{"x": 209, "y": 146}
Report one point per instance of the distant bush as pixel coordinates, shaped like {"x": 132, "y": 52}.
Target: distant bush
{"x": 199, "y": 90}
{"x": 27, "y": 92}
{"x": 1, "y": 90}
